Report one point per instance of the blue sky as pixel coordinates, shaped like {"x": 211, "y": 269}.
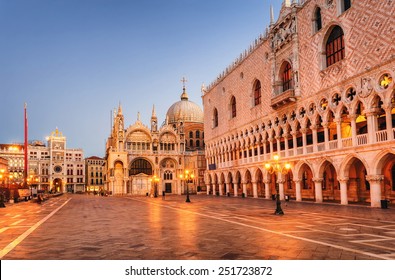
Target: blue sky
{"x": 73, "y": 61}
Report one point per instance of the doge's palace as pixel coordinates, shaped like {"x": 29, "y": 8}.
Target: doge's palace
{"x": 317, "y": 90}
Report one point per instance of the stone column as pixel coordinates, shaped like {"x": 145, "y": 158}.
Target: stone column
{"x": 304, "y": 139}
{"x": 372, "y": 125}
{"x": 343, "y": 190}
{"x": 285, "y": 135}
{"x": 298, "y": 190}
{"x": 375, "y": 189}
{"x": 388, "y": 120}
{"x": 236, "y": 186}
{"x": 278, "y": 145}
{"x": 245, "y": 189}
{"x": 214, "y": 190}
{"x": 255, "y": 189}
{"x": 271, "y": 146}
{"x": 264, "y": 148}
{"x": 353, "y": 118}
{"x": 208, "y": 189}
{"x": 315, "y": 141}
{"x": 326, "y": 135}
{"x": 339, "y": 133}
{"x": 318, "y": 189}
{"x": 295, "y": 142}
{"x": 281, "y": 188}
{"x": 227, "y": 188}
{"x": 267, "y": 189}
{"x": 221, "y": 186}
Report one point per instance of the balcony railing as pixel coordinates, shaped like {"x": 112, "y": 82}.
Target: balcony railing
{"x": 283, "y": 98}
{"x": 360, "y": 140}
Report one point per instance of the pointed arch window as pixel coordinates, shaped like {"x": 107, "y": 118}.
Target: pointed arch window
{"x": 215, "y": 117}
{"x": 317, "y": 19}
{"x": 257, "y": 93}
{"x": 287, "y": 76}
{"x": 335, "y": 49}
{"x": 233, "y": 106}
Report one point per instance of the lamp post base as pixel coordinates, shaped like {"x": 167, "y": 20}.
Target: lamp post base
{"x": 278, "y": 211}
{"x": 187, "y": 200}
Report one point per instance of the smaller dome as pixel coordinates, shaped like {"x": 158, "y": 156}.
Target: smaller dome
{"x": 184, "y": 111}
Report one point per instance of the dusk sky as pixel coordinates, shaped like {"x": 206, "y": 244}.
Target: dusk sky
{"x": 73, "y": 61}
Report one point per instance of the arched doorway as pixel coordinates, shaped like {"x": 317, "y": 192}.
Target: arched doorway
{"x": 358, "y": 186}
{"x": 169, "y": 177}
{"x": 248, "y": 188}
{"x": 289, "y": 185}
{"x": 260, "y": 184}
{"x": 140, "y": 173}
{"x": 306, "y": 182}
{"x": 57, "y": 185}
{"x": 330, "y": 185}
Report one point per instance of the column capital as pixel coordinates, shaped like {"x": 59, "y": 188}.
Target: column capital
{"x": 343, "y": 179}
{"x": 317, "y": 180}
{"x": 266, "y": 181}
{"x": 375, "y": 178}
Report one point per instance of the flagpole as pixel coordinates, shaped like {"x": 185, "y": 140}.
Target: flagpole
{"x": 25, "y": 175}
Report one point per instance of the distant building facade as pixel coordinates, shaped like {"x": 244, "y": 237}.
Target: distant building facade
{"x": 318, "y": 90}
{"x": 138, "y": 154}
{"x": 13, "y": 155}
{"x": 94, "y": 173}
{"x": 56, "y": 168}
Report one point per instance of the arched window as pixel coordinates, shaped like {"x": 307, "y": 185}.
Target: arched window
{"x": 197, "y": 143}
{"x": 141, "y": 166}
{"x": 287, "y": 76}
{"x": 197, "y": 134}
{"x": 317, "y": 20}
{"x": 215, "y": 117}
{"x": 335, "y": 50}
{"x": 233, "y": 106}
{"x": 190, "y": 143}
{"x": 190, "y": 134}
{"x": 257, "y": 93}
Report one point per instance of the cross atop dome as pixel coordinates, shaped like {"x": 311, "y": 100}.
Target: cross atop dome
{"x": 184, "y": 95}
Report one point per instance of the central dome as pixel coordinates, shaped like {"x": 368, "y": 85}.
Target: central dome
{"x": 184, "y": 111}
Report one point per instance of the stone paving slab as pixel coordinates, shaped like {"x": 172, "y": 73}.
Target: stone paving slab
{"x": 222, "y": 228}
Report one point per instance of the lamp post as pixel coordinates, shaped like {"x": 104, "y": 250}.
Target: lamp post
{"x": 275, "y": 166}
{"x": 186, "y": 177}
{"x": 156, "y": 180}
{"x": 2, "y": 205}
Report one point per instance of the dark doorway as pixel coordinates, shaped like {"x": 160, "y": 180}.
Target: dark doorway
{"x": 168, "y": 187}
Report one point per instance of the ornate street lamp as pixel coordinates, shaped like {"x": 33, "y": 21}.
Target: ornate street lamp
{"x": 186, "y": 177}
{"x": 2, "y": 198}
{"x": 156, "y": 181}
{"x": 274, "y": 166}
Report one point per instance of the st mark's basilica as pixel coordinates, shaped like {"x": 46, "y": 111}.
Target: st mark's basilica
{"x": 157, "y": 159}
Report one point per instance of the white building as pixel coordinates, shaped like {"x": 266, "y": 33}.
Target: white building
{"x": 54, "y": 167}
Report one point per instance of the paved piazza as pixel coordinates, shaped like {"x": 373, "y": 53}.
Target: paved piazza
{"x": 80, "y": 227}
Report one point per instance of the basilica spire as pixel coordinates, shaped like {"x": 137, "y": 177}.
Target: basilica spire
{"x": 119, "y": 108}
{"x": 184, "y": 95}
{"x": 154, "y": 120}
{"x": 271, "y": 15}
